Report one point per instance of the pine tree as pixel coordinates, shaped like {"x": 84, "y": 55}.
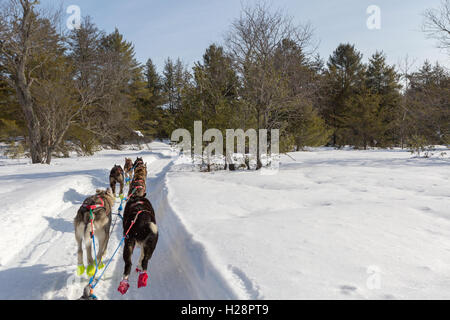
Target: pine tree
{"x": 217, "y": 85}
{"x": 149, "y": 101}
{"x": 176, "y": 80}
{"x": 383, "y": 80}
{"x": 428, "y": 102}
{"x": 302, "y": 124}
{"x": 11, "y": 119}
{"x": 361, "y": 124}
{"x": 123, "y": 81}
{"x": 344, "y": 79}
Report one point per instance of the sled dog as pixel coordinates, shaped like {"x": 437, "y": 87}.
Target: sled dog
{"x": 139, "y": 219}
{"x": 101, "y": 205}
{"x": 116, "y": 176}
{"x": 128, "y": 168}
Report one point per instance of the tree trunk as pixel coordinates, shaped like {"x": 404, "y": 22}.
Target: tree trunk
{"x": 26, "y": 103}
{"x": 48, "y": 159}
{"x": 22, "y": 86}
{"x": 258, "y": 148}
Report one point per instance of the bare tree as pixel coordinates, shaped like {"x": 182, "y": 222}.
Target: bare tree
{"x": 437, "y": 24}
{"x": 253, "y": 41}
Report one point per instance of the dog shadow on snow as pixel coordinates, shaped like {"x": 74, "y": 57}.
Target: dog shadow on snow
{"x": 74, "y": 197}
{"x": 60, "y": 224}
{"x": 31, "y": 283}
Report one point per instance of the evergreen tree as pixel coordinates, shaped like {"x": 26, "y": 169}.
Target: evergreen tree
{"x": 303, "y": 125}
{"x": 149, "y": 102}
{"x": 383, "y": 80}
{"x": 344, "y": 79}
{"x": 428, "y": 102}
{"x": 175, "y": 80}
{"x": 153, "y": 79}
{"x": 361, "y": 124}
{"x": 217, "y": 85}
{"x": 124, "y": 81}
{"x": 11, "y": 120}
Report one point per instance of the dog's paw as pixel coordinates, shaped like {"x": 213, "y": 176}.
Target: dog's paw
{"x": 123, "y": 287}
{"x": 90, "y": 270}
{"x": 80, "y": 270}
{"x": 142, "y": 281}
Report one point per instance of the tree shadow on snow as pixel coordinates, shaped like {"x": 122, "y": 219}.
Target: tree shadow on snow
{"x": 97, "y": 173}
{"x": 141, "y": 153}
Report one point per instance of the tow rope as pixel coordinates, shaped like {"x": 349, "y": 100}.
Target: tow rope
{"x": 92, "y": 234}
{"x": 121, "y": 209}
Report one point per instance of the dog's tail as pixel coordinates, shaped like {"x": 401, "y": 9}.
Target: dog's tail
{"x": 153, "y": 227}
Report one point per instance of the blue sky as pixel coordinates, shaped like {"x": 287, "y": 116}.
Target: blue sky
{"x": 184, "y": 28}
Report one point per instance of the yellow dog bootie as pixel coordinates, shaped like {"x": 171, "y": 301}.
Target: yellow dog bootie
{"x": 80, "y": 270}
{"x": 90, "y": 270}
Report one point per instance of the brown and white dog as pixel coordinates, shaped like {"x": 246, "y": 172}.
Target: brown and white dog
{"x": 139, "y": 221}
{"x": 138, "y": 185}
{"x": 138, "y": 162}
{"x": 116, "y": 176}
{"x": 101, "y": 204}
{"x": 128, "y": 169}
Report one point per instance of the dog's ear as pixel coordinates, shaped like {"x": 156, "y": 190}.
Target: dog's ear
{"x": 98, "y": 191}
{"x": 145, "y": 195}
{"x": 109, "y": 192}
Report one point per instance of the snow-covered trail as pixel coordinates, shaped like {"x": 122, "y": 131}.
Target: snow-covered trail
{"x": 330, "y": 224}
{"x": 38, "y": 249}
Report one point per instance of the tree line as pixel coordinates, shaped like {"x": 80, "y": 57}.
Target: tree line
{"x": 82, "y": 89}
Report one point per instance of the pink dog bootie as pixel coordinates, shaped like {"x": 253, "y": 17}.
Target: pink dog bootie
{"x": 142, "y": 281}
{"x": 123, "y": 286}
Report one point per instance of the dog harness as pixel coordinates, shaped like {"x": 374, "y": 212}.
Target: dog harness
{"x": 95, "y": 206}
{"x": 136, "y": 203}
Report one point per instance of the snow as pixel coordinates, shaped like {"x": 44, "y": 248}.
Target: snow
{"x": 138, "y": 133}
{"x": 319, "y": 227}
{"x": 330, "y": 224}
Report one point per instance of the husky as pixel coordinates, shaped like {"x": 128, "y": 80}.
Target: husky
{"x": 116, "y": 176}
{"x": 138, "y": 162}
{"x": 140, "y": 172}
{"x": 101, "y": 204}
{"x": 128, "y": 169}
{"x": 139, "y": 219}
{"x": 137, "y": 188}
